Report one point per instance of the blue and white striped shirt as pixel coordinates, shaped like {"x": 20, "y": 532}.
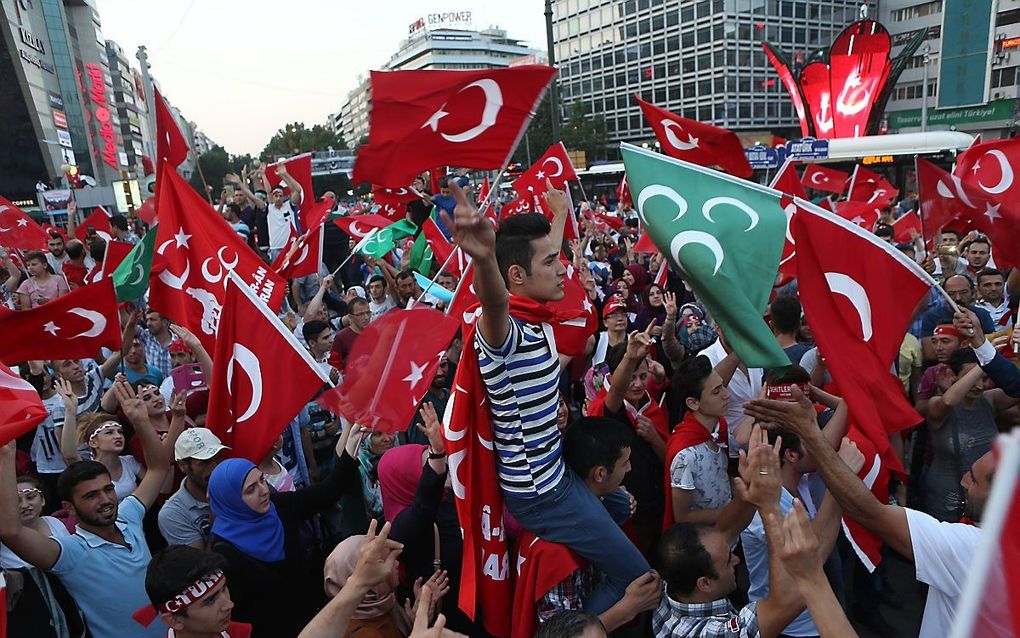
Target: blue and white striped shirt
{"x": 521, "y": 379}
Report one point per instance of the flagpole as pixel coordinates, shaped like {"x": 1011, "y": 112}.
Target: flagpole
{"x": 492, "y": 189}
{"x": 433, "y": 280}
{"x": 364, "y": 240}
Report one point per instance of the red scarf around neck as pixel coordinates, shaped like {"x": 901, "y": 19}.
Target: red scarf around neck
{"x": 485, "y": 576}
{"x": 688, "y": 433}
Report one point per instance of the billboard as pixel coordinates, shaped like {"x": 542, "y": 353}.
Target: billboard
{"x": 968, "y": 29}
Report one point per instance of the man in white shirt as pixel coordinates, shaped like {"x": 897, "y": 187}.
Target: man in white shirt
{"x": 991, "y": 285}
{"x": 942, "y": 552}
{"x": 281, "y": 212}
{"x": 56, "y": 255}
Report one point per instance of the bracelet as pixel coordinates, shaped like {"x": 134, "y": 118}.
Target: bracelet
{"x": 436, "y": 455}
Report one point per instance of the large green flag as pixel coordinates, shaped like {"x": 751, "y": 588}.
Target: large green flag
{"x": 421, "y": 256}
{"x": 131, "y": 278}
{"x": 385, "y": 240}
{"x": 723, "y": 234}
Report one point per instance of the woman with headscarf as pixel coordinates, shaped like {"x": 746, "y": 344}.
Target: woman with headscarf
{"x": 637, "y": 278}
{"x": 359, "y": 506}
{"x": 275, "y": 582}
{"x": 418, "y": 503}
{"x": 654, "y": 308}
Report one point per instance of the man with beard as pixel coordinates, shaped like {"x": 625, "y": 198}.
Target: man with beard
{"x": 991, "y": 285}
{"x": 57, "y": 255}
{"x": 185, "y": 519}
{"x": 103, "y": 563}
{"x": 942, "y": 552}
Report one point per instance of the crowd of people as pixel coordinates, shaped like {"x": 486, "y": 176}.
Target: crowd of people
{"x": 653, "y": 483}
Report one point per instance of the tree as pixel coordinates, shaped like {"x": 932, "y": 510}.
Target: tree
{"x": 296, "y": 138}
{"x": 215, "y": 164}
{"x": 581, "y": 132}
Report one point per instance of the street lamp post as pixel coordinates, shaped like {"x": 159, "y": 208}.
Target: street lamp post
{"x": 926, "y": 53}
{"x": 554, "y": 97}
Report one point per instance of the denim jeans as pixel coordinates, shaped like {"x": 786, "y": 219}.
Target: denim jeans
{"x": 571, "y": 515}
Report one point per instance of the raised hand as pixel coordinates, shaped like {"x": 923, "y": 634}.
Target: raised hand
{"x": 472, "y": 231}
{"x": 421, "y": 627}
{"x": 644, "y": 592}
{"x": 377, "y": 558}
{"x": 132, "y": 407}
{"x": 799, "y": 546}
{"x": 639, "y": 342}
{"x": 67, "y": 393}
{"x": 798, "y": 416}
{"x": 944, "y": 377}
{"x": 178, "y": 408}
{"x": 432, "y": 428}
{"x": 762, "y": 467}
{"x": 185, "y": 335}
{"x": 555, "y": 198}
{"x": 851, "y": 455}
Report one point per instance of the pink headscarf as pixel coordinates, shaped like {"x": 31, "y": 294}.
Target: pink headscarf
{"x": 400, "y": 471}
{"x": 337, "y": 571}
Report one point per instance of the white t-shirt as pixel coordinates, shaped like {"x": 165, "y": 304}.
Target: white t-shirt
{"x": 280, "y": 220}
{"x": 56, "y": 264}
{"x": 45, "y": 446}
{"x": 380, "y": 308}
{"x": 10, "y": 560}
{"x": 130, "y": 470}
{"x": 943, "y": 556}
{"x": 742, "y": 387}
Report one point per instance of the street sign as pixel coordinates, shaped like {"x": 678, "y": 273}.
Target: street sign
{"x": 808, "y": 148}
{"x": 764, "y": 157}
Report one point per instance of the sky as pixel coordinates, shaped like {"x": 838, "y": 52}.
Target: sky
{"x": 242, "y": 69}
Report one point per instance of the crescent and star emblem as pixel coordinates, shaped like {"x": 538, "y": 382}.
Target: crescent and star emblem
{"x": 847, "y": 286}
{"x": 558, "y": 163}
{"x": 1005, "y": 181}
{"x": 493, "y": 104}
{"x": 251, "y": 366}
{"x": 676, "y": 142}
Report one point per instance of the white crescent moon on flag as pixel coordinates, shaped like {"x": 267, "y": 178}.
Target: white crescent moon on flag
{"x": 3, "y": 207}
{"x": 818, "y": 174}
{"x": 493, "y": 103}
{"x": 944, "y": 190}
{"x": 790, "y": 209}
{"x": 137, "y": 279}
{"x": 357, "y": 231}
{"x": 226, "y": 266}
{"x": 1007, "y": 173}
{"x": 6, "y": 230}
{"x": 677, "y": 143}
{"x": 649, "y": 192}
{"x": 175, "y": 281}
{"x": 97, "y": 319}
{"x": 249, "y": 363}
{"x": 208, "y": 276}
{"x": 706, "y": 210}
{"x": 559, "y": 166}
{"x": 458, "y": 486}
{"x": 304, "y": 254}
{"x": 697, "y": 237}
{"x": 848, "y": 287}
{"x": 163, "y": 246}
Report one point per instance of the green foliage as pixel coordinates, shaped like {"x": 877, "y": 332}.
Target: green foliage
{"x": 580, "y": 132}
{"x": 296, "y": 138}
{"x": 215, "y": 164}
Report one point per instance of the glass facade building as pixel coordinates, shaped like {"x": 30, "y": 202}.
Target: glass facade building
{"x": 701, "y": 59}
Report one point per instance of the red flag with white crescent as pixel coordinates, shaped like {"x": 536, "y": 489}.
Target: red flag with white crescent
{"x": 21, "y": 409}
{"x": 262, "y": 377}
{"x": 18, "y": 230}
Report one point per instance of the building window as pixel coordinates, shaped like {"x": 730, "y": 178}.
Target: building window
{"x": 1004, "y": 77}
{"x": 917, "y": 11}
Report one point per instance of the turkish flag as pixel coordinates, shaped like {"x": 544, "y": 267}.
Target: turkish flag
{"x": 788, "y": 258}
{"x": 390, "y": 368}
{"x": 171, "y": 147}
{"x": 859, "y": 293}
{"x": 572, "y": 334}
{"x": 786, "y": 181}
{"x": 991, "y": 168}
{"x": 483, "y": 191}
{"x": 306, "y": 255}
{"x": 698, "y": 143}
{"x": 945, "y": 198}
{"x": 300, "y": 168}
{"x": 147, "y": 211}
{"x": 402, "y": 195}
{"x": 623, "y": 197}
{"x": 359, "y": 226}
{"x": 645, "y": 244}
{"x": 464, "y": 298}
{"x": 421, "y": 119}
{"x": 662, "y": 275}
{"x": 74, "y": 326}
{"x": 869, "y": 186}
{"x": 825, "y": 179}
{"x": 905, "y": 227}
{"x": 554, "y": 165}
{"x": 875, "y": 475}
{"x": 861, "y": 213}
{"x": 18, "y": 230}
{"x": 99, "y": 221}
{"x": 195, "y": 249}
{"x": 262, "y": 377}
{"x": 522, "y": 204}
{"x": 115, "y": 253}
{"x": 440, "y": 245}
{"x": 21, "y": 409}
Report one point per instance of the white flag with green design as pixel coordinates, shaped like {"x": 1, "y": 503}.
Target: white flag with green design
{"x": 724, "y": 235}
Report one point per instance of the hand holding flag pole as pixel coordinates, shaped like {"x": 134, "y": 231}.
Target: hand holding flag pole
{"x": 432, "y": 282}
{"x": 361, "y": 244}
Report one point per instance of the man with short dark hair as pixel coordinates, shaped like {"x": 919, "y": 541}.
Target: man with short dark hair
{"x": 572, "y": 623}
{"x": 510, "y": 354}
{"x": 993, "y": 299}
{"x": 407, "y": 288}
{"x": 698, "y": 566}
{"x": 103, "y": 563}
{"x": 343, "y": 343}
{"x": 156, "y": 337}
{"x": 785, "y": 312}
{"x": 121, "y": 231}
{"x": 57, "y": 254}
{"x": 185, "y": 518}
{"x": 977, "y": 252}
{"x": 961, "y": 289}
{"x": 447, "y": 280}
{"x": 379, "y": 300}
{"x": 598, "y": 450}
{"x": 188, "y": 590}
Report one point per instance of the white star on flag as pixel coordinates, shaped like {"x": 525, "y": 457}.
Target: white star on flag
{"x": 417, "y": 372}
{"x": 992, "y": 212}
{"x": 540, "y": 175}
{"x": 587, "y": 305}
{"x": 51, "y": 328}
{"x": 182, "y": 238}
{"x": 22, "y": 222}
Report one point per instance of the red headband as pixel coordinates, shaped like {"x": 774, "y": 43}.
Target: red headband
{"x": 191, "y": 595}
{"x": 948, "y": 329}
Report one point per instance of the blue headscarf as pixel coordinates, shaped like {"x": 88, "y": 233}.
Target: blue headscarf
{"x": 257, "y": 535}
